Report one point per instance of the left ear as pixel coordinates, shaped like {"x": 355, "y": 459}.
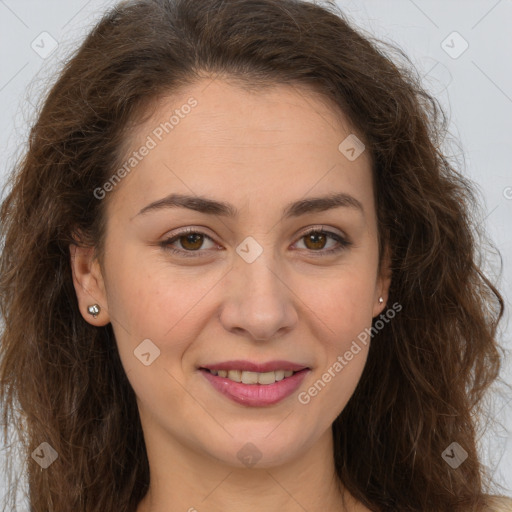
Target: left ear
{"x": 383, "y": 283}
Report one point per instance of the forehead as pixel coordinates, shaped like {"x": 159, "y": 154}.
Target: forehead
{"x": 226, "y": 114}
{"x": 215, "y": 135}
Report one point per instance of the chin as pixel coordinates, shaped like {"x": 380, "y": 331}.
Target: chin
{"x": 258, "y": 451}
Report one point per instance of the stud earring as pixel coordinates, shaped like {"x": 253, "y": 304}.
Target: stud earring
{"x": 94, "y": 310}
{"x": 381, "y": 300}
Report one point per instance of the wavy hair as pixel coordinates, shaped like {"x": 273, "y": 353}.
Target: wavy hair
{"x": 61, "y": 379}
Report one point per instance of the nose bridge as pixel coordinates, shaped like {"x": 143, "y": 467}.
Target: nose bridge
{"x": 260, "y": 275}
{"x": 258, "y": 300}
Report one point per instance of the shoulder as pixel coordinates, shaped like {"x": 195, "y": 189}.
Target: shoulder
{"x": 499, "y": 504}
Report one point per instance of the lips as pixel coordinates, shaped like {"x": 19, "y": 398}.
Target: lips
{"x": 250, "y": 366}
{"x": 260, "y": 384}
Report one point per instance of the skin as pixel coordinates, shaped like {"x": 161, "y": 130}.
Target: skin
{"x": 258, "y": 151}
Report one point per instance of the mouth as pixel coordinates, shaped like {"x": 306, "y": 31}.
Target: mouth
{"x": 240, "y": 381}
{"x": 248, "y": 377}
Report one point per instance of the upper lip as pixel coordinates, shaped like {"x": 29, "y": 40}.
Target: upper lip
{"x": 250, "y": 366}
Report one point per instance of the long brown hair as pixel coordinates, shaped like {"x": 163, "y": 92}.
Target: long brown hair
{"x": 61, "y": 379}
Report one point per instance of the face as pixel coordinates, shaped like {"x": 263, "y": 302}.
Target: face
{"x": 242, "y": 272}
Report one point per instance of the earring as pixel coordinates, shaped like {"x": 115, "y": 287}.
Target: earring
{"x": 381, "y": 300}
{"x": 94, "y": 310}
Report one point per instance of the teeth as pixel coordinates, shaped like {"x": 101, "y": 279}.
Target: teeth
{"x": 250, "y": 377}
{"x": 235, "y": 375}
{"x": 253, "y": 377}
{"x": 279, "y": 375}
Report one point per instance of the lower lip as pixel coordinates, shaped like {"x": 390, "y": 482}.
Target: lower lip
{"x": 256, "y": 395}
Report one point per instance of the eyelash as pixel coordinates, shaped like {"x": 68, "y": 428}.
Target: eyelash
{"x": 166, "y": 244}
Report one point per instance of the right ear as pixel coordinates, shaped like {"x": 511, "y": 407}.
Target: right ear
{"x": 89, "y": 284}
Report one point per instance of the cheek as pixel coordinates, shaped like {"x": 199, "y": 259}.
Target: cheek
{"x": 342, "y": 302}
{"x": 327, "y": 393}
{"x": 342, "y": 306}
{"x": 343, "y": 354}
{"x": 156, "y": 302}
{"x": 342, "y": 376}
{"x": 146, "y": 296}
{"x": 150, "y": 303}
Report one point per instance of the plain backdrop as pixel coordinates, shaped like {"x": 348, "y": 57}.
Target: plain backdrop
{"x": 462, "y": 49}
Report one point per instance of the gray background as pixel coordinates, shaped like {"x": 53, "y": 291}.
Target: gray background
{"x": 474, "y": 86}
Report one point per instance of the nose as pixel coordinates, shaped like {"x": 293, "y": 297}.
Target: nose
{"x": 258, "y": 302}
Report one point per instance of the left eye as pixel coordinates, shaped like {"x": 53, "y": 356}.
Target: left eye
{"x": 315, "y": 241}
{"x": 318, "y": 237}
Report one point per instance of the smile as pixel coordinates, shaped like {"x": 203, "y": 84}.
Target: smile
{"x": 253, "y": 377}
{"x": 255, "y": 389}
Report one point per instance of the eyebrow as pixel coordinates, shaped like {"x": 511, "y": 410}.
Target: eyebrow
{"x": 212, "y": 207}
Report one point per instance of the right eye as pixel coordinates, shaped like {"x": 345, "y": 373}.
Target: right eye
{"x": 190, "y": 239}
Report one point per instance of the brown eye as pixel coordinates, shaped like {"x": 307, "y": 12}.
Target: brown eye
{"x": 317, "y": 239}
{"x": 192, "y": 241}
{"x": 188, "y": 243}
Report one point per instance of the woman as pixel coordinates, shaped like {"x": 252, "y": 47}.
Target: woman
{"x": 239, "y": 274}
